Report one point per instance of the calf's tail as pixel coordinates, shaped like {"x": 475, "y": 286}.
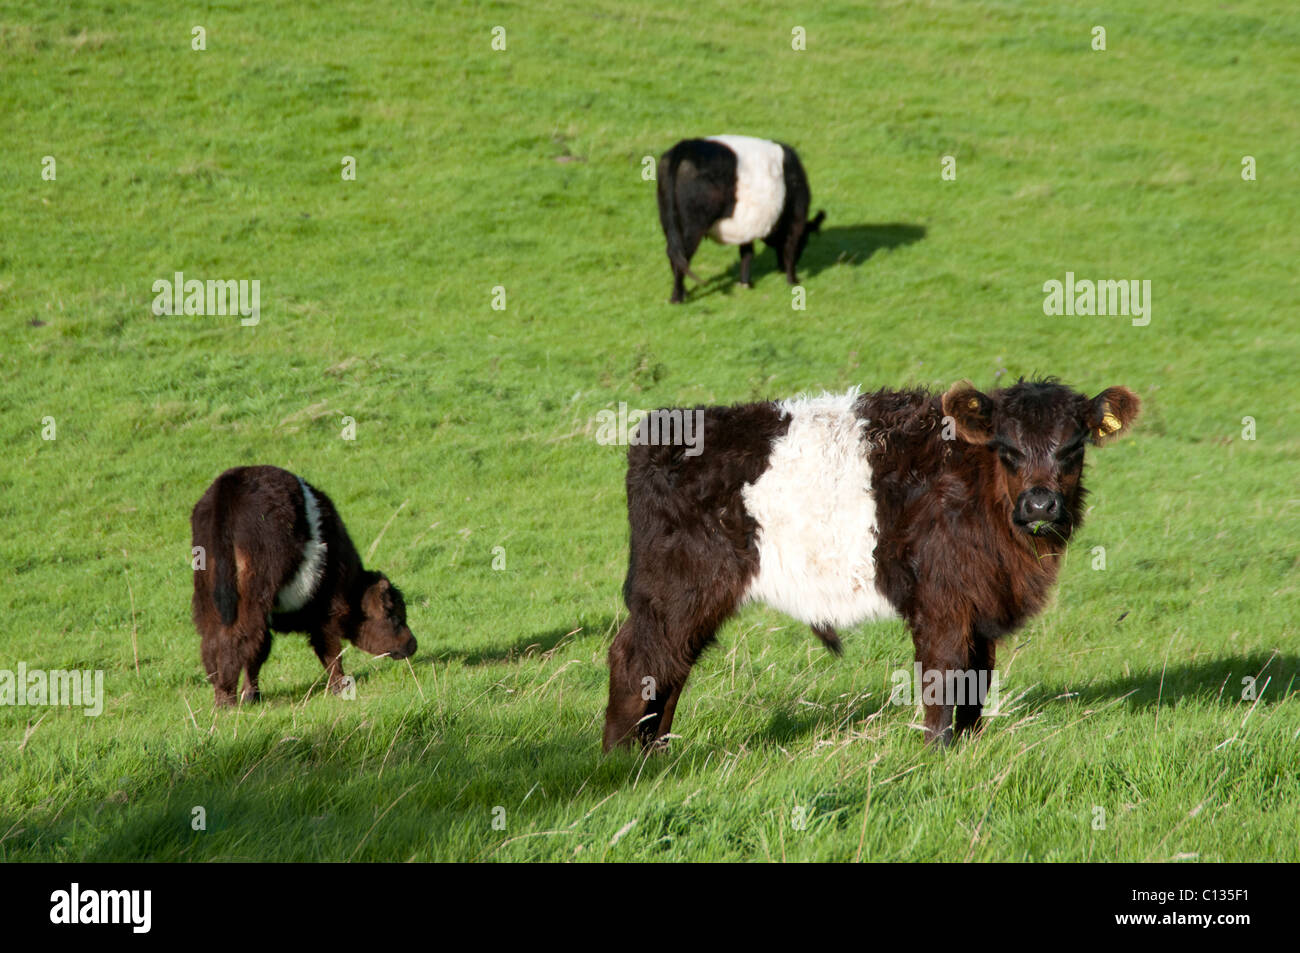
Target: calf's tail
{"x": 220, "y": 535}
{"x": 830, "y": 638}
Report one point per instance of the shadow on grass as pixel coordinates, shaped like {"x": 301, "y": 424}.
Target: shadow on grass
{"x": 836, "y": 245}
{"x": 320, "y": 796}
{"x": 792, "y": 722}
{"x": 851, "y": 245}
{"x": 361, "y": 667}
{"x": 357, "y": 665}
{"x": 1276, "y": 678}
{"x": 534, "y": 645}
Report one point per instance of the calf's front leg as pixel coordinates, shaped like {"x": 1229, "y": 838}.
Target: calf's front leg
{"x": 943, "y": 653}
{"x": 982, "y": 657}
{"x": 329, "y": 646}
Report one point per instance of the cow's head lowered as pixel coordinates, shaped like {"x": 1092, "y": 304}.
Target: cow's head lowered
{"x": 1038, "y": 430}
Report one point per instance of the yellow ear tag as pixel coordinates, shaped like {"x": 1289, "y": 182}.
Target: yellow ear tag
{"x": 974, "y": 403}
{"x": 1109, "y": 424}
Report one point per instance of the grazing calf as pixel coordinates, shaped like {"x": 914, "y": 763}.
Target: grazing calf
{"x": 950, "y": 511}
{"x": 735, "y": 189}
{"x": 278, "y": 557}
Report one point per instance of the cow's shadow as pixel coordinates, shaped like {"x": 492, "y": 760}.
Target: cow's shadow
{"x": 832, "y": 246}
{"x": 530, "y": 646}
{"x": 1276, "y": 679}
{"x": 851, "y": 245}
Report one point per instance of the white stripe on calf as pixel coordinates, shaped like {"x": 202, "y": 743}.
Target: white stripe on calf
{"x": 302, "y": 587}
{"x": 817, "y": 518}
{"x": 760, "y": 190}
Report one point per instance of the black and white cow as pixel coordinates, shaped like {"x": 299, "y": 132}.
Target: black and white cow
{"x": 736, "y": 190}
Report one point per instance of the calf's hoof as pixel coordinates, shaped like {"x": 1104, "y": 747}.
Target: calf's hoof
{"x": 939, "y": 739}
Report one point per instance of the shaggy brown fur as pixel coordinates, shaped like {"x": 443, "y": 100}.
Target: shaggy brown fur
{"x": 976, "y": 497}
{"x": 254, "y": 527}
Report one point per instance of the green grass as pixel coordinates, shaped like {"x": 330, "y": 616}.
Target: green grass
{"x": 475, "y": 427}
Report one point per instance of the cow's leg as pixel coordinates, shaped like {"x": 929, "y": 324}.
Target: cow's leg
{"x": 649, "y": 663}
{"x": 791, "y": 255}
{"x": 746, "y": 260}
{"x": 654, "y": 729}
{"x": 657, "y": 721}
{"x": 257, "y": 652}
{"x": 679, "y": 286}
{"x": 942, "y": 652}
{"x": 628, "y": 692}
{"x": 221, "y": 662}
{"x": 669, "y": 709}
{"x": 982, "y": 656}
{"x": 691, "y": 239}
{"x": 329, "y": 646}
{"x": 228, "y": 649}
{"x": 646, "y": 673}
{"x": 776, "y": 242}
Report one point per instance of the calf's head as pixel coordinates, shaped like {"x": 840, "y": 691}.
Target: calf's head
{"x": 382, "y": 629}
{"x": 1038, "y": 431}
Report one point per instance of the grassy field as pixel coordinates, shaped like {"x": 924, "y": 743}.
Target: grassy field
{"x": 475, "y": 427}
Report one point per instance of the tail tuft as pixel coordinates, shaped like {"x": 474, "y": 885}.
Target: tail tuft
{"x": 226, "y": 597}
{"x": 829, "y": 638}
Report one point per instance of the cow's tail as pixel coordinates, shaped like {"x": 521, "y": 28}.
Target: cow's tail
{"x": 221, "y": 560}
{"x": 816, "y": 224}
{"x": 830, "y": 638}
{"x": 667, "y": 192}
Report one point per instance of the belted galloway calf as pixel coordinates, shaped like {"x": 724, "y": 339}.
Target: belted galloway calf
{"x": 950, "y": 510}
{"x": 275, "y": 556}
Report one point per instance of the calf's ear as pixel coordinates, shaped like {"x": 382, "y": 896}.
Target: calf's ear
{"x": 971, "y": 412}
{"x": 372, "y": 600}
{"x": 1112, "y": 413}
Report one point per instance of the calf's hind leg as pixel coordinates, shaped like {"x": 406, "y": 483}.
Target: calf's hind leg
{"x": 257, "y": 655}
{"x": 648, "y": 668}
{"x": 229, "y": 650}
{"x": 221, "y": 663}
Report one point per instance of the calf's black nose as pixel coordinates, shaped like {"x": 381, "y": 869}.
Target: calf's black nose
{"x": 1039, "y": 504}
